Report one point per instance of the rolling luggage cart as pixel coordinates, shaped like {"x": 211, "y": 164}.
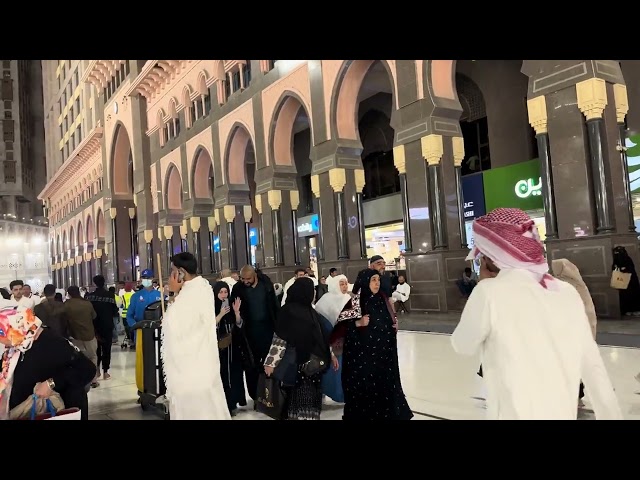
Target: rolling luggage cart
{"x": 149, "y": 375}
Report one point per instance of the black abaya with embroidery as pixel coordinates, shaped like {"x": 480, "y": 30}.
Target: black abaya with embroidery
{"x": 370, "y": 370}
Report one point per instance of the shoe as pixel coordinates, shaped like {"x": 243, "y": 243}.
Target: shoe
{"x": 106, "y": 376}
{"x": 95, "y": 384}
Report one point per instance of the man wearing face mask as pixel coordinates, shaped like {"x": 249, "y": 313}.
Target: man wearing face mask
{"x": 141, "y": 300}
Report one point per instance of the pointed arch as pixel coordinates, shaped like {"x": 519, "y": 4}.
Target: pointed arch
{"x": 201, "y": 174}
{"x": 239, "y": 145}
{"x": 173, "y": 189}
{"x": 121, "y": 158}
{"x": 288, "y": 111}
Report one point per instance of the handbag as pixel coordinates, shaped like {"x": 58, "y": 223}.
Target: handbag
{"x": 270, "y": 399}
{"x": 315, "y": 364}
{"x": 224, "y": 342}
{"x": 287, "y": 370}
{"x": 620, "y": 280}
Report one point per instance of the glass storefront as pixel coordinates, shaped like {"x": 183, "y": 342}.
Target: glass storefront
{"x": 388, "y": 242}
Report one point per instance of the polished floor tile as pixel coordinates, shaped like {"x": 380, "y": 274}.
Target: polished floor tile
{"x": 438, "y": 383}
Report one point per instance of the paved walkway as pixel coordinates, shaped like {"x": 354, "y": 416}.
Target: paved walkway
{"x": 620, "y": 333}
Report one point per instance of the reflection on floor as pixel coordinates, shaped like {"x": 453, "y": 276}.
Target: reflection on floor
{"x": 438, "y": 383}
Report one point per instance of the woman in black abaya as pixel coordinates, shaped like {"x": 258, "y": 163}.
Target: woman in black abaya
{"x": 370, "y": 371}
{"x": 630, "y": 297}
{"x": 228, "y": 324}
{"x": 299, "y": 327}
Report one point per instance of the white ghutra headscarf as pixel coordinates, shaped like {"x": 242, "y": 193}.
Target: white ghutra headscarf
{"x": 332, "y": 303}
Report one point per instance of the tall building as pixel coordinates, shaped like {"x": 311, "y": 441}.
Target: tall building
{"x": 23, "y": 230}
{"x": 325, "y": 163}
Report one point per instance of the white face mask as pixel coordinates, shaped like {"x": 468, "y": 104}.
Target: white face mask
{"x": 146, "y": 283}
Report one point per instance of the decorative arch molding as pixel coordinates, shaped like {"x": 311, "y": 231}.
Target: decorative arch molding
{"x": 121, "y": 152}
{"x": 202, "y": 165}
{"x": 173, "y": 188}
{"x": 239, "y": 140}
{"x": 281, "y": 127}
{"x": 344, "y": 97}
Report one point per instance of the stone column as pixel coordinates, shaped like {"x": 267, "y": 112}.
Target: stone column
{"x": 433, "y": 150}
{"x": 537, "y": 108}
{"x": 212, "y": 224}
{"x": 71, "y": 270}
{"x": 163, "y": 248}
{"x": 458, "y": 155}
{"x": 275, "y": 201}
{"x": 98, "y": 256}
{"x": 87, "y": 267}
{"x": 148, "y": 240}
{"x": 79, "y": 268}
{"x": 338, "y": 180}
{"x": 592, "y": 100}
{"x": 168, "y": 235}
{"x": 360, "y": 182}
{"x": 247, "y": 213}
{"x": 114, "y": 244}
{"x": 134, "y": 241}
{"x": 261, "y": 248}
{"x": 400, "y": 162}
{"x": 315, "y": 188}
{"x": 229, "y": 212}
{"x": 184, "y": 231}
{"x": 622, "y": 107}
{"x": 194, "y": 223}
{"x": 294, "y": 197}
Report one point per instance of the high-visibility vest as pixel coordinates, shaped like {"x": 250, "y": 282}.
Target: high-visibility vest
{"x": 126, "y": 301}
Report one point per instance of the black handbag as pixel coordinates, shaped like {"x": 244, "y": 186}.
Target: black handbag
{"x": 246, "y": 355}
{"x": 270, "y": 398}
{"x": 315, "y": 364}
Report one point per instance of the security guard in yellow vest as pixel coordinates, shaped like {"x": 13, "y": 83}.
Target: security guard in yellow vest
{"x": 126, "y": 301}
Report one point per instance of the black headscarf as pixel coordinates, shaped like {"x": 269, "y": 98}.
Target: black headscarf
{"x": 230, "y": 317}
{"x": 367, "y": 298}
{"x": 299, "y": 325}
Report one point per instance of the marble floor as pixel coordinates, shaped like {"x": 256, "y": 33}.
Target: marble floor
{"x": 438, "y": 383}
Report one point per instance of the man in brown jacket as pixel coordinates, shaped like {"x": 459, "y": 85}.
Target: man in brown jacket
{"x": 51, "y": 312}
{"x": 80, "y": 314}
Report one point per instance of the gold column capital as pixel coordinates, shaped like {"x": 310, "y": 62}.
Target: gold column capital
{"x": 458, "y": 150}
{"x": 211, "y": 223}
{"x": 148, "y": 236}
{"x": 432, "y": 148}
{"x": 216, "y": 215}
{"x": 112, "y": 213}
{"x": 315, "y": 185}
{"x": 274, "y": 197}
{"x": 337, "y": 179}
{"x": 79, "y": 259}
{"x": 195, "y": 223}
{"x": 247, "y": 213}
{"x": 160, "y": 233}
{"x": 622, "y": 101}
{"x": 359, "y": 179}
{"x": 132, "y": 213}
{"x": 183, "y": 229}
{"x": 537, "y": 110}
{"x": 229, "y": 212}
{"x": 168, "y": 232}
{"x": 259, "y": 203}
{"x": 98, "y": 253}
{"x": 64, "y": 264}
{"x": 592, "y": 97}
{"x": 399, "y": 159}
{"x": 71, "y": 262}
{"x": 294, "y": 197}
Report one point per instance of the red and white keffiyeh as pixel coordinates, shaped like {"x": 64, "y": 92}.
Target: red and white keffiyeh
{"x": 510, "y": 238}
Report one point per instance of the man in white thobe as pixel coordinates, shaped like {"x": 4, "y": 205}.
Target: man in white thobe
{"x": 531, "y": 330}
{"x": 190, "y": 358}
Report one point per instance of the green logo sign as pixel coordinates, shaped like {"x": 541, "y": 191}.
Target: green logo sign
{"x": 515, "y": 186}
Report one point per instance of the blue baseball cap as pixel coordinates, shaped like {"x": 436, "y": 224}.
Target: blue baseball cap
{"x": 147, "y": 273}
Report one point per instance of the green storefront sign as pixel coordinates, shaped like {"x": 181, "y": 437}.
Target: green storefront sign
{"x": 515, "y": 186}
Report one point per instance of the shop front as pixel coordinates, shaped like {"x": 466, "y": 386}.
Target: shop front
{"x": 384, "y": 231}
{"x": 633, "y": 165}
{"x": 308, "y": 229}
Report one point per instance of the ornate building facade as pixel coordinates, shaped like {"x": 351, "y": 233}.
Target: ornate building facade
{"x": 289, "y": 162}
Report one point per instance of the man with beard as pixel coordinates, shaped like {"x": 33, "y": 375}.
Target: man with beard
{"x": 378, "y": 264}
{"x": 258, "y": 311}
{"x": 104, "y": 304}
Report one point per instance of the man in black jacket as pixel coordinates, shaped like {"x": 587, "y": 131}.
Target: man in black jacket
{"x": 259, "y": 310}
{"x": 104, "y": 303}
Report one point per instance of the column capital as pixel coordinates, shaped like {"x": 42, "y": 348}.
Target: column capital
{"x": 229, "y": 213}
{"x": 71, "y": 262}
{"x": 98, "y": 253}
{"x": 458, "y": 150}
{"x": 160, "y": 233}
{"x": 537, "y": 110}
{"x": 592, "y": 97}
{"x": 132, "y": 212}
{"x": 259, "y": 203}
{"x": 432, "y": 148}
{"x": 622, "y": 101}
{"x": 294, "y": 197}
{"x": 216, "y": 216}
{"x": 274, "y": 197}
{"x": 315, "y": 185}
{"x": 337, "y": 179}
{"x": 212, "y": 223}
{"x": 148, "y": 236}
{"x": 195, "y": 223}
{"x": 399, "y": 159}
{"x": 183, "y": 229}
{"x": 113, "y": 212}
{"x": 247, "y": 213}
{"x": 168, "y": 232}
{"x": 360, "y": 180}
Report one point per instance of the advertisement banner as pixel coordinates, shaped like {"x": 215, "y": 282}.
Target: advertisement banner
{"x": 515, "y": 186}
{"x": 473, "y": 196}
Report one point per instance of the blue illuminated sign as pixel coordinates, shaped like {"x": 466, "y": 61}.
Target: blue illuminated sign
{"x": 308, "y": 226}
